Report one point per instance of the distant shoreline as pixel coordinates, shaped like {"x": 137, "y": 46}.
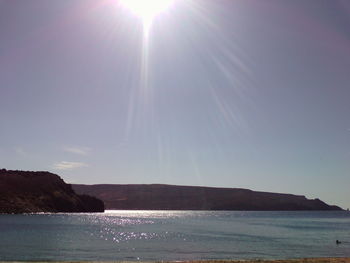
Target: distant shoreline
{"x": 182, "y": 197}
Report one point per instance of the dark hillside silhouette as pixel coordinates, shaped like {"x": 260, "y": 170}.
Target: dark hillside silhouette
{"x": 172, "y": 197}
{"x": 30, "y": 192}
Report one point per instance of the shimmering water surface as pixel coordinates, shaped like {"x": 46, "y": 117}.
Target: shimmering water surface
{"x": 174, "y": 235}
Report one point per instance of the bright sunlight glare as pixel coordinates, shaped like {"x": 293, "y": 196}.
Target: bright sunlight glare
{"x": 146, "y": 9}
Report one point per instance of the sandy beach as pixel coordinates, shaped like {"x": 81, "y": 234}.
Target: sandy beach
{"x": 301, "y": 260}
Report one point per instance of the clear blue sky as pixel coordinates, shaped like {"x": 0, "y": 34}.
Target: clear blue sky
{"x": 233, "y": 93}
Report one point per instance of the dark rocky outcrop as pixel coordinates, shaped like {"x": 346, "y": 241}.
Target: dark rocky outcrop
{"x": 31, "y": 192}
{"x": 171, "y": 197}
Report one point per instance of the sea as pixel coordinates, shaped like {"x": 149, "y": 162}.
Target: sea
{"x": 174, "y": 235}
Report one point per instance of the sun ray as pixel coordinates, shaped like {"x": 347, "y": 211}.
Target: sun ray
{"x": 147, "y": 10}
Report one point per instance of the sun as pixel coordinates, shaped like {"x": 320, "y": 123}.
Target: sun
{"x": 147, "y": 10}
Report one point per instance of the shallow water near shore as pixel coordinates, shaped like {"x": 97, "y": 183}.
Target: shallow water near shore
{"x": 174, "y": 235}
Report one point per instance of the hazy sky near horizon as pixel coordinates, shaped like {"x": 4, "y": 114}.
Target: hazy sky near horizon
{"x": 229, "y": 93}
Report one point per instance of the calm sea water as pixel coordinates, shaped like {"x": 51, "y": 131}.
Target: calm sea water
{"x": 174, "y": 235}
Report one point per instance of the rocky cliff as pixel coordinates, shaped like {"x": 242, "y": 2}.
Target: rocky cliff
{"x": 171, "y": 197}
{"x": 30, "y": 192}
